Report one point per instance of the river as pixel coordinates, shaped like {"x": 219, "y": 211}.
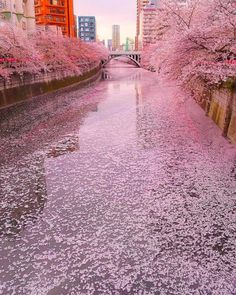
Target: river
{"x": 122, "y": 187}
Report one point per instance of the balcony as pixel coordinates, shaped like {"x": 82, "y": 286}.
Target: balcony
{"x": 55, "y": 11}
{"x": 54, "y": 22}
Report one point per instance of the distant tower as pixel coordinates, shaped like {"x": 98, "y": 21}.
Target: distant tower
{"x": 129, "y": 44}
{"x": 115, "y": 37}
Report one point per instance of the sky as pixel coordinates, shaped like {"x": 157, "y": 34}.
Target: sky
{"x": 108, "y": 13}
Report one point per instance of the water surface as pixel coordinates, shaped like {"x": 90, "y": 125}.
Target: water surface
{"x": 122, "y": 187}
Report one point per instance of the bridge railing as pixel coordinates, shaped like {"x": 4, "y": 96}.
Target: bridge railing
{"x": 125, "y": 52}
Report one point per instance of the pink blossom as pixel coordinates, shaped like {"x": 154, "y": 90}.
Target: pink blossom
{"x": 45, "y": 51}
{"x": 195, "y": 40}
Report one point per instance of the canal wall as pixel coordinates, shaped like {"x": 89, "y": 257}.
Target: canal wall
{"x": 219, "y": 103}
{"x": 19, "y": 89}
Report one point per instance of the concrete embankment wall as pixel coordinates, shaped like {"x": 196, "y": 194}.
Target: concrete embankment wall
{"x": 22, "y": 89}
{"x": 220, "y": 105}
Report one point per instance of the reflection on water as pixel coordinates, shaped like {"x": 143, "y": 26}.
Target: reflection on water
{"x": 23, "y": 196}
{"x": 121, "y": 62}
{"x": 146, "y": 134}
{"x": 106, "y": 75}
{"x": 29, "y": 133}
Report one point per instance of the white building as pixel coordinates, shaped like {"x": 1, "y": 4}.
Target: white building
{"x": 140, "y": 5}
{"x": 19, "y": 13}
{"x": 150, "y": 33}
{"x": 148, "y": 28}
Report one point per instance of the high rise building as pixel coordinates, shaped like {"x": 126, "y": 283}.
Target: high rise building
{"x": 149, "y": 32}
{"x": 140, "y": 5}
{"x": 18, "y": 12}
{"x": 87, "y": 28}
{"x": 148, "y": 29}
{"x": 129, "y": 44}
{"x": 57, "y": 13}
{"x": 115, "y": 37}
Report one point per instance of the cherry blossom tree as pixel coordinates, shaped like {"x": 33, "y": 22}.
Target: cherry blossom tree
{"x": 45, "y": 51}
{"x": 17, "y": 53}
{"x": 198, "y": 40}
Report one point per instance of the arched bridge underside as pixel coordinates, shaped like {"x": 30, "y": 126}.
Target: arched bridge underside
{"x": 134, "y": 56}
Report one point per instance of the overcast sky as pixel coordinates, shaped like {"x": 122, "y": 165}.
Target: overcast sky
{"x": 108, "y": 13}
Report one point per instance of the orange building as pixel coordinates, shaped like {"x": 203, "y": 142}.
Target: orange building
{"x": 57, "y": 13}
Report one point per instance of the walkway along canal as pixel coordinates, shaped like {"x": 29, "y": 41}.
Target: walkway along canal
{"x": 121, "y": 187}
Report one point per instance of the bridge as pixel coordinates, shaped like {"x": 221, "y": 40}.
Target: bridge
{"x": 135, "y": 56}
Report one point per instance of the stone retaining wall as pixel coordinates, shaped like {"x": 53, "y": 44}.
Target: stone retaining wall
{"x": 22, "y": 89}
{"x": 220, "y": 105}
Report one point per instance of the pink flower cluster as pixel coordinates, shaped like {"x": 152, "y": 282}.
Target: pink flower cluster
{"x": 8, "y": 59}
{"x": 43, "y": 51}
{"x": 195, "y": 40}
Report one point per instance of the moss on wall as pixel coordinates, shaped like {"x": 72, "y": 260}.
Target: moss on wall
{"x": 230, "y": 84}
{"x": 232, "y": 129}
{"x": 217, "y": 113}
{"x": 219, "y": 103}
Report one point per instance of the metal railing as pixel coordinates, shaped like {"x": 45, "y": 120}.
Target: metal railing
{"x": 125, "y": 53}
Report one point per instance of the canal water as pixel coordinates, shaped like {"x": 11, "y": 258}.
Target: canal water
{"x": 123, "y": 187}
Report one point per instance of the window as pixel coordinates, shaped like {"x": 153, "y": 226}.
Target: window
{"x": 55, "y": 2}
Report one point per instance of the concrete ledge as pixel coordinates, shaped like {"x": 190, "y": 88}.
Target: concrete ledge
{"x": 20, "y": 93}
